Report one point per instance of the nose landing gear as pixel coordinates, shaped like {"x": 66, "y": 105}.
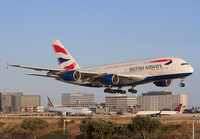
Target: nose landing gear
{"x": 182, "y": 84}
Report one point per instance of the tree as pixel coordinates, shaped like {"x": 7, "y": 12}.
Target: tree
{"x": 1, "y": 125}
{"x": 104, "y": 129}
{"x": 120, "y": 113}
{"x": 34, "y": 124}
{"x": 87, "y": 127}
{"x": 136, "y": 106}
{"x": 121, "y": 129}
{"x": 143, "y": 126}
{"x": 166, "y": 109}
{"x": 187, "y": 111}
{"x": 97, "y": 128}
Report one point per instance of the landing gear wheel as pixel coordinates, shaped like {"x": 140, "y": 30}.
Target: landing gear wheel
{"x": 114, "y": 91}
{"x": 132, "y": 91}
{"x": 182, "y": 85}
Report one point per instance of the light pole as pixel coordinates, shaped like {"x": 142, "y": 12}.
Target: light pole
{"x": 64, "y": 127}
{"x": 193, "y": 121}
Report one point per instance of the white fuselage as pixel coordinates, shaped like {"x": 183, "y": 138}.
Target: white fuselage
{"x": 152, "y": 69}
{"x": 71, "y": 110}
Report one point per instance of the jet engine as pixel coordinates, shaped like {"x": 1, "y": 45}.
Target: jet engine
{"x": 110, "y": 79}
{"x": 164, "y": 83}
{"x": 72, "y": 75}
{"x": 64, "y": 114}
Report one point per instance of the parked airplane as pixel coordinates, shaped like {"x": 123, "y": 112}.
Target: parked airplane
{"x": 161, "y": 71}
{"x": 68, "y": 110}
{"x": 178, "y": 109}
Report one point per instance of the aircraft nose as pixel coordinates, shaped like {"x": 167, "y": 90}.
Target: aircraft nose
{"x": 190, "y": 69}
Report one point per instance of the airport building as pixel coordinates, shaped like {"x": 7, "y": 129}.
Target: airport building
{"x": 120, "y": 102}
{"x": 30, "y": 100}
{"x": 158, "y": 100}
{"x": 78, "y": 100}
{"x": 10, "y": 101}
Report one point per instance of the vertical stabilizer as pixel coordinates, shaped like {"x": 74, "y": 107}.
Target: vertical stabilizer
{"x": 65, "y": 60}
{"x": 178, "y": 108}
{"x": 50, "y": 104}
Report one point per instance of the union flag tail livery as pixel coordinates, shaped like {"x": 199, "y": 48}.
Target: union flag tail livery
{"x": 65, "y": 60}
{"x": 160, "y": 70}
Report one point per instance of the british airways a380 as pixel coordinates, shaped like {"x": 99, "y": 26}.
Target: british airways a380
{"x": 161, "y": 71}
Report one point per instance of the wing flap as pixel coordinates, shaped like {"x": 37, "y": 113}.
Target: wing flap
{"x": 130, "y": 78}
{"x": 43, "y": 75}
{"x": 87, "y": 75}
{"x": 123, "y": 78}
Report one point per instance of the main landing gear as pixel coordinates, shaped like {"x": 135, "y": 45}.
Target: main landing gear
{"x": 114, "y": 91}
{"x": 182, "y": 84}
{"x": 132, "y": 90}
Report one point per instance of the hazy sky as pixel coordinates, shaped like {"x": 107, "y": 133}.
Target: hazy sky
{"x": 95, "y": 33}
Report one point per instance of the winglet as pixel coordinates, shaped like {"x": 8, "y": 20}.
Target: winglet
{"x": 8, "y": 65}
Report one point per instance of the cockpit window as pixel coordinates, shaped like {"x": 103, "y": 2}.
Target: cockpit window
{"x": 184, "y": 64}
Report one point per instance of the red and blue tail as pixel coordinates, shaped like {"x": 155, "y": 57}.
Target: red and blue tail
{"x": 65, "y": 60}
{"x": 178, "y": 108}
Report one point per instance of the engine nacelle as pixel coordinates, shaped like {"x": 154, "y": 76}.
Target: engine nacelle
{"x": 72, "y": 75}
{"x": 110, "y": 79}
{"x": 64, "y": 114}
{"x": 164, "y": 83}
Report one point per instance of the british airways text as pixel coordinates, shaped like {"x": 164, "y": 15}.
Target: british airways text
{"x": 140, "y": 68}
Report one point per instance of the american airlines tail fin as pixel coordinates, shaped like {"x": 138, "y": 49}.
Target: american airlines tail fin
{"x": 178, "y": 108}
{"x": 65, "y": 60}
{"x": 50, "y": 104}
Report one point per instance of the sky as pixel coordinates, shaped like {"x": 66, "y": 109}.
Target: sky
{"x": 96, "y": 33}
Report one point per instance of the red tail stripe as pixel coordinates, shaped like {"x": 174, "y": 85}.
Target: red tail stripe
{"x": 49, "y": 104}
{"x": 59, "y": 49}
{"x": 70, "y": 66}
{"x": 163, "y": 60}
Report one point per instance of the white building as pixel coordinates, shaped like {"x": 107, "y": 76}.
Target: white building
{"x": 158, "y": 100}
{"x": 120, "y": 102}
{"x": 78, "y": 100}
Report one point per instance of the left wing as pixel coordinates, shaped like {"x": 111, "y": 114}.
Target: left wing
{"x": 34, "y": 68}
{"x": 85, "y": 75}
{"x": 123, "y": 78}
{"x": 130, "y": 78}
{"x": 51, "y": 71}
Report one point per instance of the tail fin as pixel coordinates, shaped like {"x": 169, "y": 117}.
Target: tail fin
{"x": 65, "y": 60}
{"x": 50, "y": 104}
{"x": 178, "y": 108}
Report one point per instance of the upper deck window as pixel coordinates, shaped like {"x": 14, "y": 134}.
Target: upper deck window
{"x": 184, "y": 64}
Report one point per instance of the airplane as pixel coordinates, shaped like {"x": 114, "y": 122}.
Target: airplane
{"x": 161, "y": 71}
{"x": 178, "y": 109}
{"x": 65, "y": 111}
